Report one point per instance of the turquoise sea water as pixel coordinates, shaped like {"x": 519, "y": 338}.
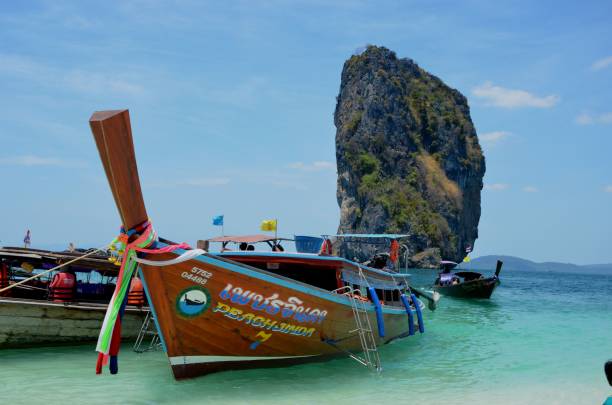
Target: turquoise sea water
{"x": 542, "y": 339}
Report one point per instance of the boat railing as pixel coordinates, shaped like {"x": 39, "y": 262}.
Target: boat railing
{"x": 147, "y": 329}
{"x": 363, "y": 328}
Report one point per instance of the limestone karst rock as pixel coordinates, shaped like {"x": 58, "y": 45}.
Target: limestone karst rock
{"x": 408, "y": 157}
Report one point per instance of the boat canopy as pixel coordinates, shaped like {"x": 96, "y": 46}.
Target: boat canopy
{"x": 48, "y": 259}
{"x": 447, "y": 265}
{"x": 368, "y": 235}
{"x": 246, "y": 239}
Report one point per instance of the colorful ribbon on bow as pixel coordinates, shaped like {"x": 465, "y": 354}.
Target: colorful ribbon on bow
{"x": 109, "y": 339}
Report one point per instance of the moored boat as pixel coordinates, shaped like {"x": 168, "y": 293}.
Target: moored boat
{"x": 37, "y": 314}
{"x": 466, "y": 284}
{"x": 246, "y": 309}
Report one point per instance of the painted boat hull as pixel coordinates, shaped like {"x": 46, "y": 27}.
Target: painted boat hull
{"x": 481, "y": 288}
{"x": 28, "y": 323}
{"x": 232, "y": 331}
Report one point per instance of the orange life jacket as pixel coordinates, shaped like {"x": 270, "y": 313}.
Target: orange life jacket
{"x": 394, "y": 251}
{"x": 136, "y": 296}
{"x": 62, "y": 287}
{"x": 326, "y": 248}
{"x": 4, "y": 278}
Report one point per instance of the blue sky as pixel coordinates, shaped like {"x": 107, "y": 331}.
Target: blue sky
{"x": 232, "y": 111}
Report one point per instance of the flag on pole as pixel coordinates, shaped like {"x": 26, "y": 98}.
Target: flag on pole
{"x": 218, "y": 220}
{"x": 268, "y": 225}
{"x": 26, "y": 239}
{"x": 468, "y": 250}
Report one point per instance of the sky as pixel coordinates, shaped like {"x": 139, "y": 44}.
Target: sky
{"x": 232, "y": 113}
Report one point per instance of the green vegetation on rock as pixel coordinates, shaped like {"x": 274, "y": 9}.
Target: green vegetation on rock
{"x": 408, "y": 156}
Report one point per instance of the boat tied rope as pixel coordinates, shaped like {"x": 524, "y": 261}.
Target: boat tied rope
{"x": 19, "y": 283}
{"x": 142, "y": 238}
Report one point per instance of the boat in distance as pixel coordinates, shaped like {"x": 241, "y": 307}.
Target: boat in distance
{"x": 466, "y": 284}
{"x": 249, "y": 309}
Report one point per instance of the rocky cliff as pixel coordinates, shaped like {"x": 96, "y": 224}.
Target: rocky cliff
{"x": 408, "y": 157}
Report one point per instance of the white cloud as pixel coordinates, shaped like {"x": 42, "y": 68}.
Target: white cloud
{"x": 602, "y": 63}
{"x": 205, "y": 182}
{"x": 19, "y": 65}
{"x": 496, "y": 186}
{"x": 608, "y": 189}
{"x": 74, "y": 79}
{"x": 99, "y": 83}
{"x": 606, "y": 118}
{"x": 295, "y": 185}
{"x": 32, "y": 160}
{"x": 315, "y": 166}
{"x": 584, "y": 119}
{"x": 589, "y": 119}
{"x": 244, "y": 94}
{"x": 193, "y": 182}
{"x": 511, "y": 98}
{"x": 494, "y": 137}
{"x": 530, "y": 189}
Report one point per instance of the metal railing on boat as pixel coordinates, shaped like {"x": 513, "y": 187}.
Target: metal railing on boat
{"x": 363, "y": 327}
{"x": 147, "y": 329}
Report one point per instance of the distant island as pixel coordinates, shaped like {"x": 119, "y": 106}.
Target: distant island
{"x": 514, "y": 263}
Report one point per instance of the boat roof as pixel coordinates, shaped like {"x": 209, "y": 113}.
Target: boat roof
{"x": 369, "y": 235}
{"x": 95, "y": 262}
{"x": 311, "y": 257}
{"x": 448, "y": 262}
{"x": 246, "y": 239}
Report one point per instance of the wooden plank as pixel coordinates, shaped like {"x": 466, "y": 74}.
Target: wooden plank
{"x": 113, "y": 135}
{"x": 23, "y": 325}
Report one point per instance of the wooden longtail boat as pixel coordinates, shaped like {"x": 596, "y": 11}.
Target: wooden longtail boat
{"x": 466, "y": 284}
{"x": 28, "y": 317}
{"x": 253, "y": 309}
{"x": 34, "y": 323}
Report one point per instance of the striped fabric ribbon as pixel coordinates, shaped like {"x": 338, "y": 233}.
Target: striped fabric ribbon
{"x": 110, "y": 333}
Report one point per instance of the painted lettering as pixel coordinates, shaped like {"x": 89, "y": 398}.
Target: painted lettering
{"x": 258, "y": 321}
{"x": 272, "y": 305}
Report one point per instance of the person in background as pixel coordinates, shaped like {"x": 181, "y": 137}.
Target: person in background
{"x": 608, "y": 371}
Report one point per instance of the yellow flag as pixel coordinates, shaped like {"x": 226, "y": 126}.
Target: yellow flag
{"x": 268, "y": 225}
{"x": 466, "y": 259}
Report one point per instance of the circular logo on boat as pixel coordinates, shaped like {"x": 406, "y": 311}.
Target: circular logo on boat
{"x": 193, "y": 301}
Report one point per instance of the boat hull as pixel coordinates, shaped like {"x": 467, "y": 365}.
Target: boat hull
{"x": 251, "y": 318}
{"x": 481, "y": 288}
{"x": 28, "y": 323}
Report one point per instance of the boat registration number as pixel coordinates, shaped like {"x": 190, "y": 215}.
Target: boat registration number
{"x": 197, "y": 275}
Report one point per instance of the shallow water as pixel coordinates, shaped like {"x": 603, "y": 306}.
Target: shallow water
{"x": 542, "y": 339}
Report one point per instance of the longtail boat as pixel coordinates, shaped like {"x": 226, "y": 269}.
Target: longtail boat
{"x": 35, "y": 313}
{"x": 466, "y": 284}
{"x": 237, "y": 310}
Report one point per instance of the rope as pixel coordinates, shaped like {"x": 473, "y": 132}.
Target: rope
{"x": 188, "y": 255}
{"x": 30, "y": 287}
{"x": 100, "y": 249}
{"x": 110, "y": 333}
